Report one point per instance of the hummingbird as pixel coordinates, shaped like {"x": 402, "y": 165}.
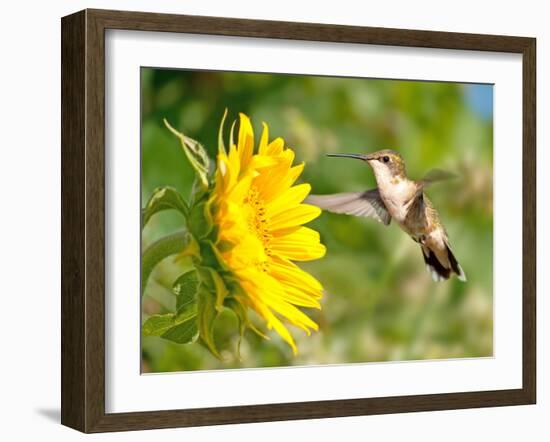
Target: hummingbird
{"x": 404, "y": 200}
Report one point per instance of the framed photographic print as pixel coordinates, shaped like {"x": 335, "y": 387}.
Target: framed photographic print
{"x": 269, "y": 220}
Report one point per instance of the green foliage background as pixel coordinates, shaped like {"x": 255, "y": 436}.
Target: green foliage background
{"x": 380, "y": 303}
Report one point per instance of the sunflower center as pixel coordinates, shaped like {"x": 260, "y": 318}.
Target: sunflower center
{"x": 257, "y": 221}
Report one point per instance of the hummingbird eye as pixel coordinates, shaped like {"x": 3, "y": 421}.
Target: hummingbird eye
{"x": 385, "y": 159}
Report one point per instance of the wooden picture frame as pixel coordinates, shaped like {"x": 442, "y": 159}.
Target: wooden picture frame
{"x": 83, "y": 220}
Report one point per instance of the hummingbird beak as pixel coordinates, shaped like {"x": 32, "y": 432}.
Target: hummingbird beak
{"x": 349, "y": 155}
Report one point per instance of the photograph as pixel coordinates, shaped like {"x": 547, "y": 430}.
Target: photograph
{"x": 300, "y": 220}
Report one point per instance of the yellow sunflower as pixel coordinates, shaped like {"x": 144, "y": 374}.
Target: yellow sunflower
{"x": 260, "y": 216}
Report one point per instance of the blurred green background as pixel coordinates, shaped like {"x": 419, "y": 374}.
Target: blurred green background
{"x": 380, "y": 304}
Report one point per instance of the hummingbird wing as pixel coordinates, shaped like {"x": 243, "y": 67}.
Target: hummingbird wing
{"x": 368, "y": 204}
{"x": 436, "y": 175}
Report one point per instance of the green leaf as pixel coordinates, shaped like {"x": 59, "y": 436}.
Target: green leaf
{"x": 181, "y": 243}
{"x": 219, "y": 288}
{"x": 180, "y": 328}
{"x": 163, "y": 198}
{"x": 211, "y": 256}
{"x": 206, "y": 318}
{"x": 195, "y": 153}
{"x": 235, "y": 303}
{"x": 200, "y": 220}
{"x": 242, "y": 317}
{"x": 198, "y": 191}
{"x": 156, "y": 325}
{"x": 185, "y": 289}
{"x": 184, "y": 333}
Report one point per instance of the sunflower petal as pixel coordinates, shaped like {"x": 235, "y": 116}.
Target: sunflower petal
{"x": 274, "y": 322}
{"x": 275, "y": 147}
{"x": 245, "y": 144}
{"x": 298, "y": 297}
{"x": 298, "y": 246}
{"x": 289, "y": 198}
{"x": 274, "y": 296}
{"x": 294, "y": 216}
{"x": 264, "y": 140}
{"x": 286, "y": 271}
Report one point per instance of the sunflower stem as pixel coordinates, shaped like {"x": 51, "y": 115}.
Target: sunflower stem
{"x": 160, "y": 249}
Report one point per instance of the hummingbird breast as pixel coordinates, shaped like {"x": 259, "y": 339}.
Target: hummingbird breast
{"x": 397, "y": 195}
{"x": 412, "y": 211}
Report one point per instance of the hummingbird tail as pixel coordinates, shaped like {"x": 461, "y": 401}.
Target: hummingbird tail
{"x": 456, "y": 266}
{"x": 437, "y": 270}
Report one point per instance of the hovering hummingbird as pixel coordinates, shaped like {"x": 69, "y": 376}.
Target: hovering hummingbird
{"x": 402, "y": 199}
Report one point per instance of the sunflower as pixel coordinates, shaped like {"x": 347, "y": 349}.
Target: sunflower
{"x": 260, "y": 215}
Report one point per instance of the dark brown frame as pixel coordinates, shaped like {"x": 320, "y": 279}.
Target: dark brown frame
{"x": 83, "y": 216}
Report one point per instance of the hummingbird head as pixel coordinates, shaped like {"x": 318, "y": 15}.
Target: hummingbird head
{"x": 387, "y": 164}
